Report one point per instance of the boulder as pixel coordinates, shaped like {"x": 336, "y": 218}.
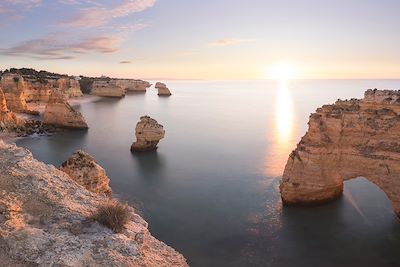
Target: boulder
{"x": 59, "y": 113}
{"x": 83, "y": 169}
{"x": 162, "y": 89}
{"x": 148, "y": 133}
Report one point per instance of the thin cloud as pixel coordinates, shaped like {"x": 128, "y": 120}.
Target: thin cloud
{"x": 53, "y": 47}
{"x": 231, "y": 41}
{"x": 125, "y": 62}
{"x": 25, "y": 3}
{"x": 100, "y": 16}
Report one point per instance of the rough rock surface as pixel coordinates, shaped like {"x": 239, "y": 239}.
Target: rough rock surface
{"x": 346, "y": 140}
{"x": 44, "y": 221}
{"x": 13, "y": 87}
{"x": 84, "y": 169}
{"x": 148, "y": 134}
{"x": 7, "y": 118}
{"x": 107, "y": 88}
{"x": 162, "y": 89}
{"x": 131, "y": 85}
{"x": 59, "y": 113}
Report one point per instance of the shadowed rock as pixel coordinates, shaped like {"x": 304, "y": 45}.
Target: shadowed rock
{"x": 346, "y": 140}
{"x": 84, "y": 169}
{"x": 148, "y": 133}
{"x": 162, "y": 89}
{"x": 59, "y": 113}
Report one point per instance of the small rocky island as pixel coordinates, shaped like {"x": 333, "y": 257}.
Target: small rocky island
{"x": 46, "y": 219}
{"x": 148, "y": 133}
{"x": 162, "y": 89}
{"x": 348, "y": 139}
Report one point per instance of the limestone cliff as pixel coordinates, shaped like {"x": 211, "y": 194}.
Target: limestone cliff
{"x": 59, "y": 113}
{"x": 45, "y": 221}
{"x": 107, "y": 88}
{"x": 14, "y": 91}
{"x": 148, "y": 133}
{"x": 162, "y": 89}
{"x": 131, "y": 85}
{"x": 84, "y": 169}
{"x": 345, "y": 140}
{"x": 8, "y": 120}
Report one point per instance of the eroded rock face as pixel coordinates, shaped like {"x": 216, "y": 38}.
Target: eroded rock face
{"x": 14, "y": 91}
{"x": 59, "y": 113}
{"x": 148, "y": 133}
{"x": 83, "y": 169}
{"x": 162, "y": 89}
{"x": 7, "y": 118}
{"x": 131, "y": 85}
{"x": 44, "y": 221}
{"x": 346, "y": 140}
{"x": 107, "y": 88}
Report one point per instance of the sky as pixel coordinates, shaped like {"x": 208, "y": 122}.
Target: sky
{"x": 203, "y": 39}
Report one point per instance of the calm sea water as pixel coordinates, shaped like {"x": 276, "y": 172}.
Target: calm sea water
{"x": 211, "y": 189}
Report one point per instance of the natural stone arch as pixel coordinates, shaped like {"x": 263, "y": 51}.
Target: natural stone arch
{"x": 347, "y": 140}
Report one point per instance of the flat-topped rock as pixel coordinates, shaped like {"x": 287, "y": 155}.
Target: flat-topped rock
{"x": 162, "y": 89}
{"x": 84, "y": 169}
{"x": 346, "y": 140}
{"x": 59, "y": 113}
{"x": 107, "y": 89}
{"x": 45, "y": 220}
{"x": 148, "y": 133}
{"x": 131, "y": 85}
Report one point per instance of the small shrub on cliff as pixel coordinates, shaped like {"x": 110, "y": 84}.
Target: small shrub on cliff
{"x": 113, "y": 214}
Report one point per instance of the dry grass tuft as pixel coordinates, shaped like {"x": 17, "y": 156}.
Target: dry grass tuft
{"x": 113, "y": 214}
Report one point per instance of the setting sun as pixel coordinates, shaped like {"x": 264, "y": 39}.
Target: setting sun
{"x": 281, "y": 72}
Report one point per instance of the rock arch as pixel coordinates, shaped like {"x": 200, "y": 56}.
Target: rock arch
{"x": 346, "y": 140}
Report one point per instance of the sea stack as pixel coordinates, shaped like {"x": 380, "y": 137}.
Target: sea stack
{"x": 134, "y": 86}
{"x": 83, "y": 169}
{"x": 349, "y": 139}
{"x": 148, "y": 133}
{"x": 59, "y": 113}
{"x": 162, "y": 89}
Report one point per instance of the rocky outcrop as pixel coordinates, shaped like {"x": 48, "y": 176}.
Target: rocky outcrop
{"x": 59, "y": 113}
{"x": 14, "y": 91}
{"x": 107, "y": 88}
{"x": 8, "y": 120}
{"x": 131, "y": 85}
{"x": 148, "y": 134}
{"x": 162, "y": 89}
{"x": 345, "y": 140}
{"x": 69, "y": 86}
{"x": 84, "y": 169}
{"x": 45, "y": 221}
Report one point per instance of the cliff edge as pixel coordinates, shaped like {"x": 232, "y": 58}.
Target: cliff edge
{"x": 44, "y": 221}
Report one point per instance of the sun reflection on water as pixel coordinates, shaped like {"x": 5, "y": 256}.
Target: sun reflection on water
{"x": 283, "y": 133}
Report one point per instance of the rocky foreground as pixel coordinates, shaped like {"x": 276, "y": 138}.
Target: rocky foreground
{"x": 44, "y": 221}
{"x": 346, "y": 140}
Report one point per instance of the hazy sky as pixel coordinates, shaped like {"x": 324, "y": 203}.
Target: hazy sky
{"x": 203, "y": 39}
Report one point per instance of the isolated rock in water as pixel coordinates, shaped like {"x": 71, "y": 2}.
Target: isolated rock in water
{"x": 59, "y": 113}
{"x": 162, "y": 89}
{"x": 148, "y": 134}
{"x": 346, "y": 140}
{"x": 13, "y": 86}
{"x": 107, "y": 88}
{"x": 45, "y": 221}
{"x": 131, "y": 85}
{"x": 83, "y": 169}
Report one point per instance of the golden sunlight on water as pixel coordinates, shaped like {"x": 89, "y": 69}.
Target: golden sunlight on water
{"x": 283, "y": 132}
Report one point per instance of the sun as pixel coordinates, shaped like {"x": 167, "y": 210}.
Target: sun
{"x": 281, "y": 72}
